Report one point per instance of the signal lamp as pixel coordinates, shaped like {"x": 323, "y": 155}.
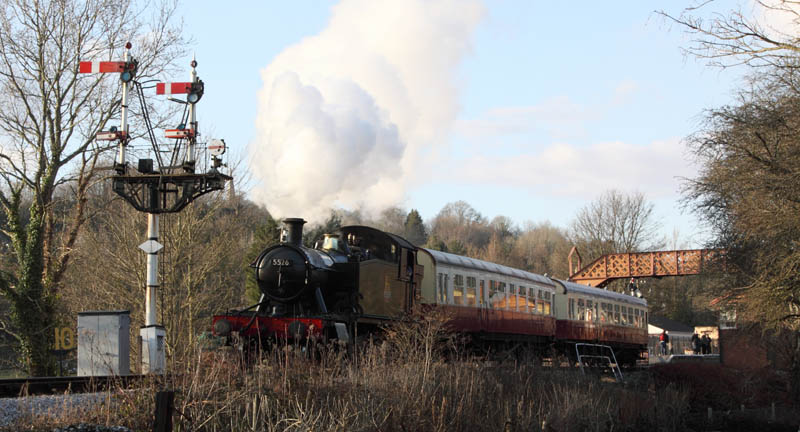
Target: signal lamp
{"x": 129, "y": 71}
{"x": 196, "y": 92}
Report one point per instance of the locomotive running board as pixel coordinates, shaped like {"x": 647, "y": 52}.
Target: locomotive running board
{"x": 341, "y": 332}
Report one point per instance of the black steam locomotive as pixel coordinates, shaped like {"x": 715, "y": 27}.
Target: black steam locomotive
{"x": 355, "y": 280}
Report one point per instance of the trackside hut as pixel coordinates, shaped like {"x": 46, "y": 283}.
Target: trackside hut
{"x": 680, "y": 335}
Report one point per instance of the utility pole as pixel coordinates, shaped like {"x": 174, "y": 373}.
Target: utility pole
{"x": 164, "y": 188}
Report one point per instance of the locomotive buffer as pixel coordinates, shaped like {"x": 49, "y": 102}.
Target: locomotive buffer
{"x": 167, "y": 187}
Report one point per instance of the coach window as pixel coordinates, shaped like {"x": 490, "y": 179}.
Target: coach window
{"x": 483, "y": 293}
{"x": 547, "y": 302}
{"x": 630, "y": 316}
{"x": 572, "y": 308}
{"x": 523, "y": 299}
{"x": 590, "y": 315}
{"x": 581, "y": 310}
{"x": 496, "y": 297}
{"x": 624, "y": 315}
{"x": 471, "y": 288}
{"x": 540, "y": 302}
{"x": 512, "y": 297}
{"x": 458, "y": 289}
{"x": 531, "y": 300}
{"x": 616, "y": 313}
{"x": 603, "y": 314}
{"x": 636, "y": 320}
{"x": 501, "y": 292}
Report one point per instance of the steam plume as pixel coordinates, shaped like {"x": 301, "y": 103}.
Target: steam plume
{"x": 345, "y": 115}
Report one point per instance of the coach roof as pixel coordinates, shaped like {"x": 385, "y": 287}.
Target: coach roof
{"x": 454, "y": 260}
{"x": 599, "y": 292}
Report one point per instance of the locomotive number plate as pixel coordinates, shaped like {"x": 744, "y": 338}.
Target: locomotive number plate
{"x": 281, "y": 262}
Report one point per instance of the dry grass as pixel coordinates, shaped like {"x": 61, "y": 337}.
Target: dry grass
{"x": 402, "y": 383}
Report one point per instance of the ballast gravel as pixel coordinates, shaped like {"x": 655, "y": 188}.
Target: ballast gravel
{"x": 12, "y": 410}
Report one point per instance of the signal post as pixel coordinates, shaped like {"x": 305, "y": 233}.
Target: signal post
{"x": 160, "y": 187}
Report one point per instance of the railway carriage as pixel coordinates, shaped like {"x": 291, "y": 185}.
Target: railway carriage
{"x": 488, "y": 300}
{"x": 591, "y": 315}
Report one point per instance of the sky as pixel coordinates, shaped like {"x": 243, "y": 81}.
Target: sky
{"x": 524, "y": 109}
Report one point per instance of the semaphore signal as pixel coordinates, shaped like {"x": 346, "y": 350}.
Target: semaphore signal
{"x": 102, "y": 66}
{"x": 127, "y": 71}
{"x": 164, "y": 188}
{"x": 173, "y": 88}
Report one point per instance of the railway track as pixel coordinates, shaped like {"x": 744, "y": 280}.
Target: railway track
{"x": 75, "y": 384}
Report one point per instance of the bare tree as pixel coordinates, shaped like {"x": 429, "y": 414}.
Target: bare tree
{"x": 747, "y": 188}
{"x": 49, "y": 115}
{"x": 743, "y": 36}
{"x": 616, "y": 222}
{"x": 201, "y": 270}
{"x": 543, "y": 248}
{"x": 460, "y": 228}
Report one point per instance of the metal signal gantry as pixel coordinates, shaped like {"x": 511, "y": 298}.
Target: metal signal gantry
{"x": 165, "y": 188}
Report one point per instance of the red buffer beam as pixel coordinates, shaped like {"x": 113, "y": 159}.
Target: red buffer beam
{"x": 645, "y": 264}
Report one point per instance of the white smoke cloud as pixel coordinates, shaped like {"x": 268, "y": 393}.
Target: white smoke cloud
{"x": 345, "y": 115}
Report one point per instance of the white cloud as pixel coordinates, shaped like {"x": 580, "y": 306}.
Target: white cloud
{"x": 564, "y": 170}
{"x": 559, "y": 117}
{"x": 344, "y": 115}
{"x": 624, "y": 92}
{"x": 780, "y": 18}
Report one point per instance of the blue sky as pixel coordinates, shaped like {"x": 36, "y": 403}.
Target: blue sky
{"x": 535, "y": 109}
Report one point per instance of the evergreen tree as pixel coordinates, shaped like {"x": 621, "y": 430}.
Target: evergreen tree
{"x": 415, "y": 229}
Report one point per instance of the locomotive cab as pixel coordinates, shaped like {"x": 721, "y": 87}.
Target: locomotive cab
{"x": 388, "y": 271}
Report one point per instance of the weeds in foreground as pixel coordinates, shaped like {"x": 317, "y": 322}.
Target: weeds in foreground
{"x": 401, "y": 383}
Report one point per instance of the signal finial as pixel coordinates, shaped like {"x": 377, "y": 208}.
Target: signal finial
{"x": 128, "y": 45}
{"x": 194, "y": 62}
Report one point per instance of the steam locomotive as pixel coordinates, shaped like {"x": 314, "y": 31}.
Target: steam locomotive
{"x": 361, "y": 277}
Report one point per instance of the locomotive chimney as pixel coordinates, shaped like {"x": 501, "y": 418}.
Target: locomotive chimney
{"x": 295, "y": 228}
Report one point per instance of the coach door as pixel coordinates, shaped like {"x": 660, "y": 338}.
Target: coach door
{"x": 483, "y": 306}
